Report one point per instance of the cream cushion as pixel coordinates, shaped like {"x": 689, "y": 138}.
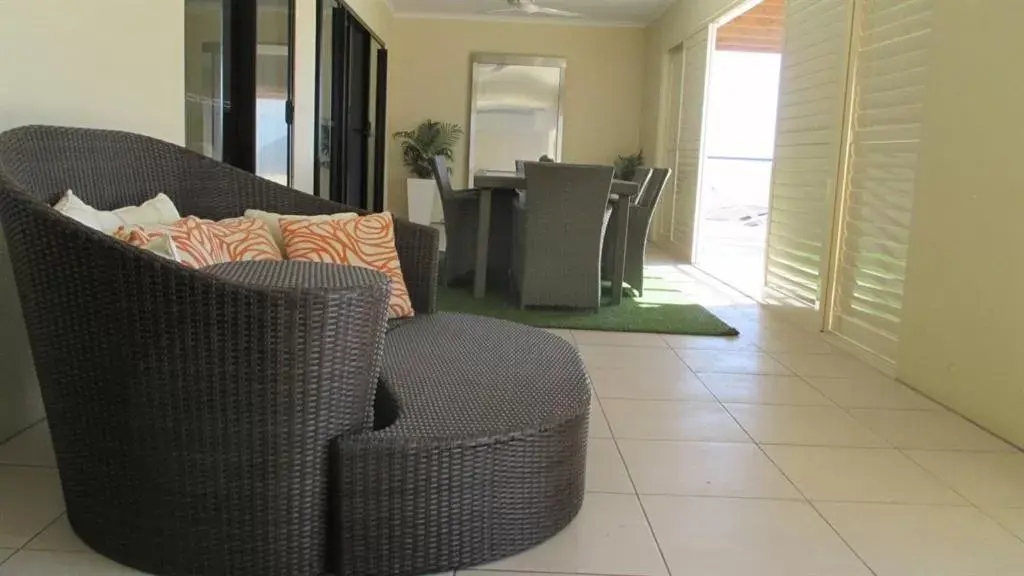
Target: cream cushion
{"x": 157, "y": 210}
{"x": 273, "y": 221}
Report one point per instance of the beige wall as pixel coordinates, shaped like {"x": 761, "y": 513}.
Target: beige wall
{"x": 375, "y": 14}
{"x": 103, "y": 63}
{"x": 109, "y": 63}
{"x": 964, "y": 302}
{"x": 430, "y": 78}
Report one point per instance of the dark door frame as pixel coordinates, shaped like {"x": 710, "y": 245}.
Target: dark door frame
{"x": 239, "y": 74}
{"x": 240, "y": 37}
{"x": 380, "y": 127}
{"x": 343, "y": 20}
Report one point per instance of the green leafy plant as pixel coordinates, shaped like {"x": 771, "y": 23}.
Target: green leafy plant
{"x": 427, "y": 140}
{"x": 626, "y": 166}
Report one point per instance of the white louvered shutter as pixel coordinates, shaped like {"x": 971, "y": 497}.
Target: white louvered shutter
{"x": 691, "y": 131}
{"x": 890, "y": 66}
{"x": 670, "y": 134}
{"x": 812, "y": 97}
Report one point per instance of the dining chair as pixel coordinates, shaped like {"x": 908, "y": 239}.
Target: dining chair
{"x": 641, "y": 214}
{"x": 557, "y": 235}
{"x": 641, "y": 178}
{"x": 461, "y": 217}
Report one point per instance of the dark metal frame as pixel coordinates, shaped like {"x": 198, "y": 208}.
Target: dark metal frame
{"x": 241, "y": 44}
{"x": 340, "y": 76}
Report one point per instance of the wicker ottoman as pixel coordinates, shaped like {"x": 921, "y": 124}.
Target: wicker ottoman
{"x": 480, "y": 450}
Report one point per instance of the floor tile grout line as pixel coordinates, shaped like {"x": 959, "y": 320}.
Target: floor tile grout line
{"x": 816, "y": 510}
{"x": 849, "y": 411}
{"x": 33, "y": 466}
{"x": 799, "y": 491}
{"x": 21, "y": 432}
{"x": 840, "y": 536}
{"x": 970, "y": 502}
{"x": 801, "y": 498}
{"x": 636, "y": 494}
{"x": 720, "y": 401}
{"x": 545, "y": 572}
{"x": 24, "y": 547}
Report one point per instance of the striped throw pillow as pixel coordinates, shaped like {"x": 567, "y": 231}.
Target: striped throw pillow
{"x": 366, "y": 241}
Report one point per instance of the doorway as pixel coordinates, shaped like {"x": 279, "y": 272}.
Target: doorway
{"x": 352, "y": 92}
{"x": 730, "y": 240}
{"x": 238, "y": 82}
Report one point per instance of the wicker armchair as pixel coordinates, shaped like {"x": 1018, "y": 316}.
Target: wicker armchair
{"x": 191, "y": 415}
{"x": 254, "y": 418}
{"x": 558, "y": 235}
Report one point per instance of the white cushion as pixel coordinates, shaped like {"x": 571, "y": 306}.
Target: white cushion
{"x": 273, "y": 221}
{"x": 157, "y": 210}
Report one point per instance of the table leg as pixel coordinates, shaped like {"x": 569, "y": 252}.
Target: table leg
{"x": 621, "y": 215}
{"x": 483, "y": 235}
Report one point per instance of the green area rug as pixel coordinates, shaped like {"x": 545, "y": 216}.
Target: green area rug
{"x": 663, "y": 309}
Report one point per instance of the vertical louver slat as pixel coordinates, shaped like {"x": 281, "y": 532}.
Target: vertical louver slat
{"x": 891, "y": 60}
{"x": 663, "y": 213}
{"x": 691, "y": 128}
{"x": 812, "y": 97}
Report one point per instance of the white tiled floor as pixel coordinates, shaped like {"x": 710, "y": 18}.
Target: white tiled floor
{"x": 769, "y": 454}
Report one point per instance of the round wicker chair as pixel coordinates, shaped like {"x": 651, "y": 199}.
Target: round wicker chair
{"x": 264, "y": 419}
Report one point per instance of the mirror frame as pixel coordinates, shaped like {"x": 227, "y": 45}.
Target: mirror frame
{"x": 517, "y": 60}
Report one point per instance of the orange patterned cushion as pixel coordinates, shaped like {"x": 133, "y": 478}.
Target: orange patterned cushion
{"x": 246, "y": 239}
{"x": 367, "y": 241}
{"x": 194, "y": 244}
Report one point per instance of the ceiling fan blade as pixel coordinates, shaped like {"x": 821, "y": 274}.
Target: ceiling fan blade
{"x": 504, "y": 11}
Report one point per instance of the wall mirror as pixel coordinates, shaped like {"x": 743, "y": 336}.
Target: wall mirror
{"x": 516, "y": 110}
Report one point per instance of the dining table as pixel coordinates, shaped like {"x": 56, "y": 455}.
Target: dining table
{"x": 507, "y": 182}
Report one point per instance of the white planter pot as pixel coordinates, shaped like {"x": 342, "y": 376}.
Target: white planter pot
{"x": 422, "y": 193}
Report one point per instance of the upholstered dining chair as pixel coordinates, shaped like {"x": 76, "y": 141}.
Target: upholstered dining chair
{"x": 641, "y": 178}
{"x": 641, "y": 213}
{"x": 557, "y": 235}
{"x": 461, "y": 216}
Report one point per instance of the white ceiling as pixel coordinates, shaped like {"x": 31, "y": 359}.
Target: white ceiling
{"x": 621, "y": 12}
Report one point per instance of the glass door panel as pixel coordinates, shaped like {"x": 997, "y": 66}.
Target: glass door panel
{"x": 273, "y": 89}
{"x": 238, "y": 83}
{"x": 204, "y": 90}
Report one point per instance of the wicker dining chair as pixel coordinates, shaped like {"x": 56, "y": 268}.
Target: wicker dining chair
{"x": 558, "y": 233}
{"x": 641, "y": 214}
{"x": 461, "y": 218}
{"x": 641, "y": 178}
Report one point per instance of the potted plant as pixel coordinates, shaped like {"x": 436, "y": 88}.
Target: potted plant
{"x": 626, "y": 166}
{"x": 419, "y": 146}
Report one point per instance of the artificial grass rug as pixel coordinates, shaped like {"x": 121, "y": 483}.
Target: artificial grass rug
{"x": 663, "y": 309}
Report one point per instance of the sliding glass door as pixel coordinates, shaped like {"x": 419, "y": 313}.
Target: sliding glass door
{"x": 238, "y": 82}
{"x": 204, "y": 87}
{"x": 352, "y": 78}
